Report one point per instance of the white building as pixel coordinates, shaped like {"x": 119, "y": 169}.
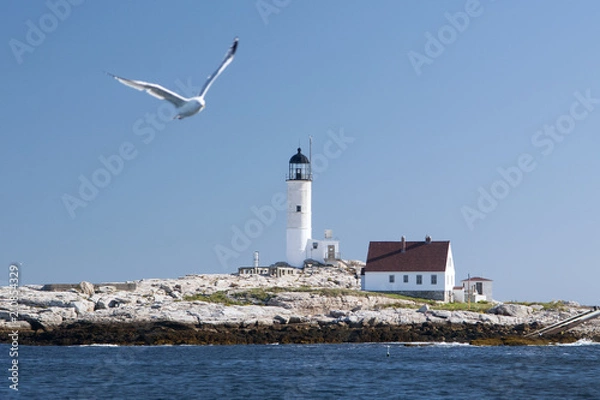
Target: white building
{"x": 480, "y": 289}
{"x": 276, "y": 270}
{"x": 300, "y": 245}
{"x": 418, "y": 269}
{"x": 324, "y": 250}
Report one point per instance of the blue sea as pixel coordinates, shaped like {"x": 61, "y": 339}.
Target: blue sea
{"x": 346, "y": 371}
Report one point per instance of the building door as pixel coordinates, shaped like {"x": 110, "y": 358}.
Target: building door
{"x": 331, "y": 252}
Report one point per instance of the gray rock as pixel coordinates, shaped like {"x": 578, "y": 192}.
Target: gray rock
{"x": 295, "y": 319}
{"x": 48, "y": 299}
{"x": 84, "y": 306}
{"x": 86, "y": 288}
{"x": 442, "y": 314}
{"x": 511, "y": 310}
{"x": 424, "y": 308}
{"x": 43, "y": 319}
{"x": 279, "y": 319}
{"x": 107, "y": 289}
{"x": 169, "y": 291}
{"x": 114, "y": 303}
{"x": 492, "y": 319}
{"x": 109, "y": 302}
{"x": 337, "y": 313}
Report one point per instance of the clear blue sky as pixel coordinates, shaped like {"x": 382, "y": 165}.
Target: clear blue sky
{"x": 428, "y": 137}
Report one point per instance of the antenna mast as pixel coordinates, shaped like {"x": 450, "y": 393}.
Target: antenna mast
{"x": 310, "y": 156}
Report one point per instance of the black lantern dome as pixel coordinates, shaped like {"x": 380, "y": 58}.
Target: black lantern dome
{"x": 299, "y": 167}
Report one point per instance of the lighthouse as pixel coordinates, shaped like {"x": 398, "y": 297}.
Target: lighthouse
{"x": 299, "y": 208}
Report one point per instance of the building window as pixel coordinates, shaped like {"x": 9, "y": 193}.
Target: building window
{"x": 315, "y": 245}
{"x": 392, "y": 278}
{"x": 405, "y": 278}
{"x": 419, "y": 279}
{"x": 298, "y": 208}
{"x": 434, "y": 279}
{"x": 479, "y": 287}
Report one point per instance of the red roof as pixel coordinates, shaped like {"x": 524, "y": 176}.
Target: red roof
{"x": 476, "y": 278}
{"x": 419, "y": 256}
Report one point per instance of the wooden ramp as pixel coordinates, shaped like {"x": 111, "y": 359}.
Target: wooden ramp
{"x": 567, "y": 323}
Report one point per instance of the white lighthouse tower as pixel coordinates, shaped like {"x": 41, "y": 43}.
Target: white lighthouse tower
{"x": 299, "y": 213}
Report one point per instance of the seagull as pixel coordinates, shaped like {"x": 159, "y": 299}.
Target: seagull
{"x": 186, "y": 106}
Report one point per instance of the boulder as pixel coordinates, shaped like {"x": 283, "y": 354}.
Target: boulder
{"x": 48, "y": 299}
{"x": 441, "y": 314}
{"x": 295, "y": 319}
{"x": 511, "y": 310}
{"x": 424, "y": 308}
{"x": 337, "y": 313}
{"x": 104, "y": 303}
{"x": 107, "y": 289}
{"x": 86, "y": 288}
{"x": 83, "y": 306}
{"x": 43, "y": 319}
{"x": 279, "y": 319}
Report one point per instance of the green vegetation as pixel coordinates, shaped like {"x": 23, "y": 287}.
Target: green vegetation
{"x": 480, "y": 307}
{"x": 220, "y": 297}
{"x": 254, "y": 296}
{"x": 261, "y": 296}
{"x": 267, "y": 293}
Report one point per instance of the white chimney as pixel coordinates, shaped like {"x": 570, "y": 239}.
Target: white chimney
{"x": 427, "y": 239}
{"x": 256, "y": 259}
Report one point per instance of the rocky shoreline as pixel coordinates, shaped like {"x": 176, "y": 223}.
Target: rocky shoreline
{"x": 174, "y": 333}
{"x": 321, "y": 305}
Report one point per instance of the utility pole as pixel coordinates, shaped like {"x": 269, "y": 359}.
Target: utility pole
{"x": 469, "y": 290}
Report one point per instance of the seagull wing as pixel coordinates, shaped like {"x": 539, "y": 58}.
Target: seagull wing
{"x": 226, "y": 61}
{"x": 153, "y": 90}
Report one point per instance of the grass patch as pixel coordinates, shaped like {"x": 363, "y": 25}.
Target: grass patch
{"x": 475, "y": 307}
{"x": 254, "y": 296}
{"x": 327, "y": 292}
{"x": 261, "y": 296}
{"x": 220, "y": 297}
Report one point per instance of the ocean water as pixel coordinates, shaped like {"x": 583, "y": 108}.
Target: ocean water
{"x": 346, "y": 371}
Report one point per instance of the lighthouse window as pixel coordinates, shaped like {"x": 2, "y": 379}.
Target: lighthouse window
{"x": 298, "y": 208}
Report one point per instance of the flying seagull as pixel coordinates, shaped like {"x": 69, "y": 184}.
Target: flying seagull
{"x": 186, "y": 106}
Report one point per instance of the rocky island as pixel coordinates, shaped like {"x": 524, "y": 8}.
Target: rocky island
{"x": 320, "y": 305}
